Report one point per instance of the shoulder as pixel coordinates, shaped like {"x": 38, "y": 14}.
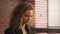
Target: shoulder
{"x": 8, "y": 31}
{"x": 32, "y": 30}
{"x": 31, "y": 27}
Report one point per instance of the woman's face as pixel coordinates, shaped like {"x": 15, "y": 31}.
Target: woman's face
{"x": 27, "y": 16}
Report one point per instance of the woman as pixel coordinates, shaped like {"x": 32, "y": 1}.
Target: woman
{"x": 19, "y": 23}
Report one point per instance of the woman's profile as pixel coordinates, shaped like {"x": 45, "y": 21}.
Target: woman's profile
{"x": 21, "y": 17}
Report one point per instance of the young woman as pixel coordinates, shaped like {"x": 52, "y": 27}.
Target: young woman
{"x": 21, "y": 17}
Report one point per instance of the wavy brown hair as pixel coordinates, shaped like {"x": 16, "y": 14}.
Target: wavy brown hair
{"x": 18, "y": 12}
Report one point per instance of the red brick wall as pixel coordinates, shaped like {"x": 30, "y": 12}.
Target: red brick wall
{"x": 6, "y": 7}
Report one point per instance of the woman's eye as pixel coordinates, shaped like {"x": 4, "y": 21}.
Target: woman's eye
{"x": 28, "y": 16}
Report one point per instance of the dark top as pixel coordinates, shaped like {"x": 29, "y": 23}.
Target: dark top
{"x": 29, "y": 29}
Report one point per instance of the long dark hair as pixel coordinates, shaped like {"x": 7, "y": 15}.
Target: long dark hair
{"x": 18, "y": 12}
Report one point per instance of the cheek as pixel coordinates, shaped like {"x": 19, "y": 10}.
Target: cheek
{"x": 24, "y": 19}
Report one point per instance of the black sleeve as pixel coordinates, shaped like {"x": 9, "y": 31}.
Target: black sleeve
{"x": 8, "y": 31}
{"x": 32, "y": 30}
